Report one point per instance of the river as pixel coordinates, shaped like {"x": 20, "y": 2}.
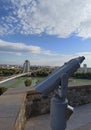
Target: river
{"x": 18, "y": 82}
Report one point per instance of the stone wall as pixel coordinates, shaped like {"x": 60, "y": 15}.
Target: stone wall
{"x": 37, "y": 105}
{"x": 79, "y": 95}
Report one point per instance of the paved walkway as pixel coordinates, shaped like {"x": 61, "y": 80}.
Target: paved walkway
{"x": 11, "y": 104}
{"x": 9, "y": 108}
{"x": 80, "y": 120}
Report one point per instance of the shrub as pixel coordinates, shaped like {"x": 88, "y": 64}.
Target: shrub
{"x": 2, "y": 90}
{"x": 28, "y": 82}
{"x": 81, "y": 75}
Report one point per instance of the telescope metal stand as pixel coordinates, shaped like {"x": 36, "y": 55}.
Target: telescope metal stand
{"x": 59, "y": 105}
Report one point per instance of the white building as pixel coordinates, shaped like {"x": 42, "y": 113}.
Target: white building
{"x": 84, "y": 69}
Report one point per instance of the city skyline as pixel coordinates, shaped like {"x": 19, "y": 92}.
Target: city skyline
{"x": 44, "y": 32}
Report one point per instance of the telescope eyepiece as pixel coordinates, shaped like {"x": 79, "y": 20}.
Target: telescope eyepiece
{"x": 80, "y": 59}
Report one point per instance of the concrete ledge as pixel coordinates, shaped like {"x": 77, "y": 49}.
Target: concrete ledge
{"x": 18, "y": 90}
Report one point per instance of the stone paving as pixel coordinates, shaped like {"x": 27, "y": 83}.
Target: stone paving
{"x": 80, "y": 120}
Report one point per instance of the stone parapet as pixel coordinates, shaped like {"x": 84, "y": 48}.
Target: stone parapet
{"x": 37, "y": 105}
{"x": 79, "y": 95}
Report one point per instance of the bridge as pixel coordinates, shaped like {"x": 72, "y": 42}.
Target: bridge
{"x": 14, "y": 77}
{"x": 26, "y": 71}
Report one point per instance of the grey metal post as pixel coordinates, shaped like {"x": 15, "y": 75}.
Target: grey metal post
{"x": 59, "y": 106}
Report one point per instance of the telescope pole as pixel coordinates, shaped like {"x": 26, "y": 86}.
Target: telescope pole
{"x": 59, "y": 105}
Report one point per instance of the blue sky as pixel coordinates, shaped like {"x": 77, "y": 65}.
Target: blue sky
{"x": 46, "y": 32}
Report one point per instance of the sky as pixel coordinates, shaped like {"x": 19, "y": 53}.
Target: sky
{"x": 45, "y": 32}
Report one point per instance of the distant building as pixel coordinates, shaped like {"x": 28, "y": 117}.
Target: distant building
{"x": 26, "y": 66}
{"x": 84, "y": 69}
{"x": 6, "y": 66}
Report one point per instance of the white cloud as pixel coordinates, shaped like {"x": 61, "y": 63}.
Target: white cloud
{"x": 61, "y": 59}
{"x": 54, "y": 17}
{"x": 87, "y": 56}
{"x": 64, "y": 58}
{"x": 21, "y": 48}
{"x": 47, "y": 57}
{"x": 10, "y": 53}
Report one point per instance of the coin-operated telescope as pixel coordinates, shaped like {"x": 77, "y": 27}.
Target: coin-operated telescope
{"x": 58, "y": 81}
